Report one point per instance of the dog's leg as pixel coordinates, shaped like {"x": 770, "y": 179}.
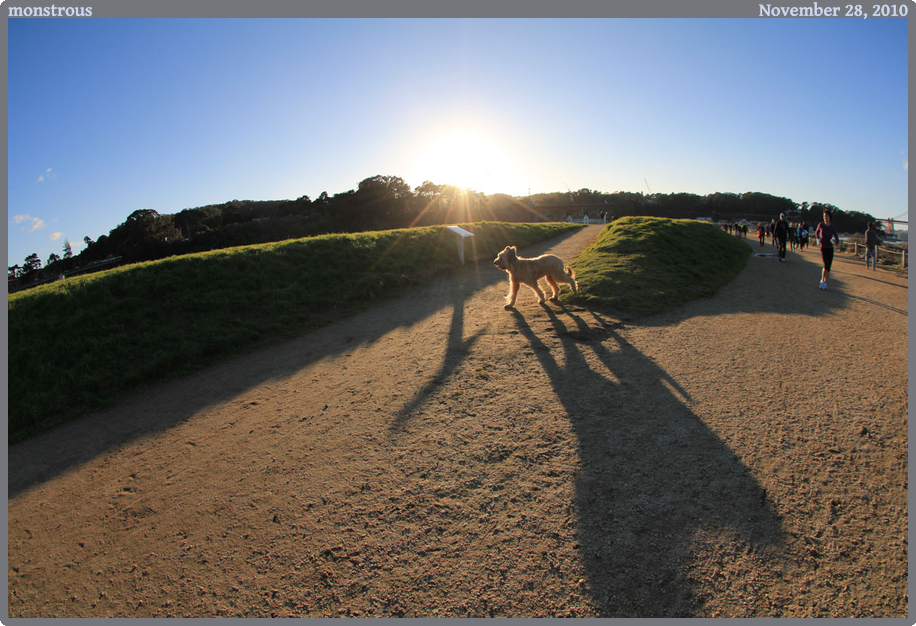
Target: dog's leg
{"x": 513, "y": 293}
{"x": 554, "y": 287}
{"x": 570, "y": 277}
{"x": 537, "y": 289}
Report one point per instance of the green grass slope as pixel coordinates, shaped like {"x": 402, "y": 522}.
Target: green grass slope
{"x": 645, "y": 265}
{"x": 78, "y": 344}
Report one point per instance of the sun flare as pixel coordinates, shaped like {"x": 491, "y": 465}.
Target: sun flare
{"x": 467, "y": 160}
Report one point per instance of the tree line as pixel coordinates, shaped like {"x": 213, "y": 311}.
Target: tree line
{"x": 385, "y": 202}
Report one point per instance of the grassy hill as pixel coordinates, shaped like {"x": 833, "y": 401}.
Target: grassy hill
{"x": 78, "y": 344}
{"x": 644, "y": 265}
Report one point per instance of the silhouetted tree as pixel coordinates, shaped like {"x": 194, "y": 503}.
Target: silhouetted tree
{"x": 31, "y": 264}
{"x": 144, "y": 235}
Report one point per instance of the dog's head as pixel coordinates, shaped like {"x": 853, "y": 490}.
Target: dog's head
{"x": 506, "y": 258}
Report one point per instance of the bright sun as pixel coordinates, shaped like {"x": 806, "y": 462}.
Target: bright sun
{"x": 467, "y": 160}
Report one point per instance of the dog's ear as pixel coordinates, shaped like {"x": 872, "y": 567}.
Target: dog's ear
{"x": 513, "y": 253}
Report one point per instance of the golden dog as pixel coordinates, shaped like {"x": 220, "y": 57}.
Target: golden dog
{"x": 530, "y": 271}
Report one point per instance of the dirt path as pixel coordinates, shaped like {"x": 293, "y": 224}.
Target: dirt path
{"x": 745, "y": 455}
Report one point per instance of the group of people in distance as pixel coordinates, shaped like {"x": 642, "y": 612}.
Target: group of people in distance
{"x": 783, "y": 234}
{"x": 796, "y": 235}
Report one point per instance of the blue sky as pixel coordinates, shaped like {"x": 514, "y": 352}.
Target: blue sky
{"x": 107, "y": 116}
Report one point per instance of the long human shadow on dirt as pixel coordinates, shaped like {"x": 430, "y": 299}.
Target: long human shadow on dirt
{"x": 456, "y": 352}
{"x": 766, "y": 286}
{"x": 163, "y": 405}
{"x": 879, "y": 304}
{"x": 884, "y": 282}
{"x": 653, "y": 475}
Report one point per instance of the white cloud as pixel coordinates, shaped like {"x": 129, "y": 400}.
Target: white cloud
{"x": 31, "y": 223}
{"x": 47, "y": 173}
{"x": 56, "y": 236}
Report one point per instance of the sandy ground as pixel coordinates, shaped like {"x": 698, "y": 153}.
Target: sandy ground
{"x": 745, "y": 455}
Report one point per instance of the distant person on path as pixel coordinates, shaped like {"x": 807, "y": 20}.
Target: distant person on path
{"x": 771, "y": 229}
{"x": 802, "y": 235}
{"x": 761, "y": 233}
{"x": 826, "y": 235}
{"x": 871, "y": 246}
{"x": 781, "y": 230}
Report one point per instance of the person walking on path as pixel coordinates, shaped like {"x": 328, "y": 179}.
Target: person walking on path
{"x": 826, "y": 235}
{"x": 871, "y": 247}
{"x": 761, "y": 233}
{"x": 781, "y": 230}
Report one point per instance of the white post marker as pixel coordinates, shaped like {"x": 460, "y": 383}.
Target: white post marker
{"x": 462, "y": 235}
